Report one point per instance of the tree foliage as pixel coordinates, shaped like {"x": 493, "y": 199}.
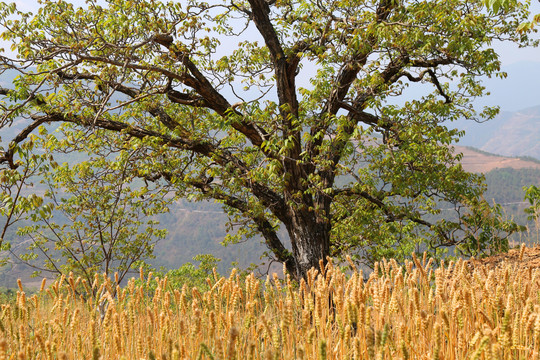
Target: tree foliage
{"x": 286, "y": 112}
{"x": 496, "y": 5}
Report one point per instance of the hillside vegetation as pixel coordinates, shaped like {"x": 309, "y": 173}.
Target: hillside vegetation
{"x": 410, "y": 312}
{"x": 506, "y": 185}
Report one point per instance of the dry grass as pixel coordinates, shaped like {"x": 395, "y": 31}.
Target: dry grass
{"x": 411, "y": 312}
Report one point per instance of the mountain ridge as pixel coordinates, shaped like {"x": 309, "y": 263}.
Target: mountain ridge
{"x": 511, "y": 134}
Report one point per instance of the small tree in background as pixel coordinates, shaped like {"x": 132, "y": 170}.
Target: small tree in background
{"x": 95, "y": 217}
{"x": 532, "y": 196}
{"x": 17, "y": 199}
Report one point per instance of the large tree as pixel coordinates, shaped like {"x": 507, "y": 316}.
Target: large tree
{"x": 289, "y": 113}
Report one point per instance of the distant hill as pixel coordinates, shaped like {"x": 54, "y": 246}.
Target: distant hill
{"x": 509, "y": 134}
{"x": 199, "y": 228}
{"x": 505, "y": 185}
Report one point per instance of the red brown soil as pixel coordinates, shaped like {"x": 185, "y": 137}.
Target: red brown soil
{"x": 529, "y": 259}
{"x": 481, "y": 163}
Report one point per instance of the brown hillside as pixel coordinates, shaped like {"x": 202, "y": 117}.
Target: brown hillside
{"x": 482, "y": 163}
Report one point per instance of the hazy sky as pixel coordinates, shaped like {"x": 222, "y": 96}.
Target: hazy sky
{"x": 521, "y": 85}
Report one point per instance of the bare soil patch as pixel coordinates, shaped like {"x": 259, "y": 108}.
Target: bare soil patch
{"x": 527, "y": 257}
{"x": 481, "y": 163}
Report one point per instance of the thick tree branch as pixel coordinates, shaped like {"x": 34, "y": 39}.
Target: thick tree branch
{"x": 391, "y": 216}
{"x": 263, "y": 225}
{"x": 350, "y": 70}
{"x": 348, "y": 73}
{"x": 435, "y": 81}
{"x": 390, "y": 75}
{"x": 268, "y": 231}
{"x": 378, "y": 201}
{"x": 285, "y": 71}
{"x": 186, "y": 99}
{"x": 212, "y": 97}
{"x": 432, "y": 63}
{"x": 8, "y": 155}
{"x": 155, "y": 111}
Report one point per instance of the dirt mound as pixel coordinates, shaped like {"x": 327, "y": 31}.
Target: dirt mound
{"x": 523, "y": 257}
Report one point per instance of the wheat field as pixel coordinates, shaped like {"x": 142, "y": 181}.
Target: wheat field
{"x": 409, "y": 312}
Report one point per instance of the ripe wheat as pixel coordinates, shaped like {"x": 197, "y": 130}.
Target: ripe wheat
{"x": 409, "y": 312}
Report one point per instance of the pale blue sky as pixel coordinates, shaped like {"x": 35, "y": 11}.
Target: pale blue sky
{"x": 518, "y": 91}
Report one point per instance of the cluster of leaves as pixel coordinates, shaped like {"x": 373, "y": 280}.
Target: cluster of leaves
{"x": 486, "y": 234}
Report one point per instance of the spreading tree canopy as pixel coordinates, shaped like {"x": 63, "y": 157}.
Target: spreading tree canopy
{"x": 295, "y": 115}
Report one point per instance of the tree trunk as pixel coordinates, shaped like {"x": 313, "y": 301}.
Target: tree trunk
{"x": 310, "y": 239}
